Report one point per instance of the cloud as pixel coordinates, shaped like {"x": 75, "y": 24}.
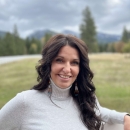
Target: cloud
{"x": 110, "y": 15}
{"x": 115, "y": 18}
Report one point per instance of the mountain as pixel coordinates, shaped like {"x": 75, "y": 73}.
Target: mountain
{"x": 2, "y": 33}
{"x": 70, "y": 32}
{"x": 101, "y": 37}
{"x": 107, "y": 38}
{"x": 41, "y": 33}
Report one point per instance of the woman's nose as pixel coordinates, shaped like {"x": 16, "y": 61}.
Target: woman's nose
{"x": 67, "y": 68}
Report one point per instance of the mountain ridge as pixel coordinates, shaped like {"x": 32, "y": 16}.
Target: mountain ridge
{"x": 101, "y": 37}
{"x": 2, "y": 33}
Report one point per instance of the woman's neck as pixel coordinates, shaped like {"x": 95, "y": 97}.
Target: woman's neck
{"x": 59, "y": 93}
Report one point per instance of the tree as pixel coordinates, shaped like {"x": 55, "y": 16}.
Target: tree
{"x": 33, "y": 48}
{"x": 118, "y": 46}
{"x": 47, "y": 37}
{"x": 19, "y": 43}
{"x": 15, "y": 31}
{"x": 102, "y": 47}
{"x": 126, "y": 48}
{"x": 88, "y": 30}
{"x": 125, "y": 35}
{"x": 110, "y": 47}
{"x": 12, "y": 44}
{"x": 2, "y": 47}
{"x": 27, "y": 45}
{"x": 8, "y": 44}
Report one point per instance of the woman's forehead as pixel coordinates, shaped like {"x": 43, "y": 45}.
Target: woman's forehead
{"x": 68, "y": 51}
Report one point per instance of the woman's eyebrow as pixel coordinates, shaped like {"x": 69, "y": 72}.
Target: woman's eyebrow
{"x": 63, "y": 58}
{"x": 60, "y": 56}
{"x": 77, "y": 59}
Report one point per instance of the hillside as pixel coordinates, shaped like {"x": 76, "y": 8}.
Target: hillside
{"x": 2, "y": 33}
{"x": 101, "y": 37}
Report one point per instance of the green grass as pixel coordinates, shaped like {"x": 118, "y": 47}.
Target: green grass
{"x": 16, "y": 77}
{"x": 111, "y": 78}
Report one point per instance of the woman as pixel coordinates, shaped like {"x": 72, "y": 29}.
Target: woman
{"x": 64, "y": 98}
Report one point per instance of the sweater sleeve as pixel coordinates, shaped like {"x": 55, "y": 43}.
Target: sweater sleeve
{"x": 12, "y": 113}
{"x": 111, "y": 116}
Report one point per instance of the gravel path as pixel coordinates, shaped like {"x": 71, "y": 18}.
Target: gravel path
{"x": 7, "y": 59}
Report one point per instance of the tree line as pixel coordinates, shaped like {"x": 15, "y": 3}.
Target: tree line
{"x": 13, "y": 44}
{"x": 88, "y": 34}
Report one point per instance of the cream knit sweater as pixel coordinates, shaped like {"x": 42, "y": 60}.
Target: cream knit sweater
{"x": 35, "y": 110}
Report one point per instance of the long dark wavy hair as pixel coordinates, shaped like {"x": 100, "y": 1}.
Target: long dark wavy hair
{"x": 85, "y": 98}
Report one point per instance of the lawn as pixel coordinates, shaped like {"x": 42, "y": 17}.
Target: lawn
{"x": 111, "y": 79}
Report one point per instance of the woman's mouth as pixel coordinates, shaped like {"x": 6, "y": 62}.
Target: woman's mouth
{"x": 64, "y": 76}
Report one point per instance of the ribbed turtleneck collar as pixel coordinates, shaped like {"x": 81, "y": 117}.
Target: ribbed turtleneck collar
{"x": 59, "y": 93}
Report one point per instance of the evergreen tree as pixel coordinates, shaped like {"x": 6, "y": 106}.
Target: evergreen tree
{"x": 19, "y": 43}
{"x": 102, "y": 47}
{"x": 1, "y": 47}
{"x": 110, "y": 47}
{"x": 88, "y": 30}
{"x": 15, "y": 31}
{"x": 33, "y": 46}
{"x": 12, "y": 44}
{"x": 8, "y": 44}
{"x": 16, "y": 36}
{"x": 125, "y": 35}
{"x": 129, "y": 35}
{"x": 47, "y": 37}
{"x": 126, "y": 48}
{"x": 39, "y": 46}
{"x": 27, "y": 44}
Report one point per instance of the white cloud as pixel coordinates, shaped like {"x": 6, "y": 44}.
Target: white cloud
{"x": 2, "y": 2}
{"x": 73, "y": 28}
{"x": 110, "y": 15}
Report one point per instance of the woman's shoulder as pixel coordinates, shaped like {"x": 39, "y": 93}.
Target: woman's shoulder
{"x": 31, "y": 97}
{"x": 31, "y": 93}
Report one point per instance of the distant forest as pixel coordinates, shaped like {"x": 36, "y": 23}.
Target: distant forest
{"x": 13, "y": 44}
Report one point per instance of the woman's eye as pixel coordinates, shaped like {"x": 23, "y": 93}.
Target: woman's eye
{"x": 75, "y": 63}
{"x": 59, "y": 60}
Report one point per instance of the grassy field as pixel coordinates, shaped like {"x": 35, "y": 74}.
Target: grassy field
{"x": 112, "y": 79}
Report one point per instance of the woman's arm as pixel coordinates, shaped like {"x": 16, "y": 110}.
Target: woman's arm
{"x": 127, "y": 122}
{"x": 11, "y": 114}
{"x": 111, "y": 116}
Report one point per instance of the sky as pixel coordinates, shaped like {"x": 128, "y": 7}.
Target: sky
{"x": 110, "y": 16}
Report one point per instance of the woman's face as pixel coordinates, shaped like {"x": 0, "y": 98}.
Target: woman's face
{"x": 65, "y": 67}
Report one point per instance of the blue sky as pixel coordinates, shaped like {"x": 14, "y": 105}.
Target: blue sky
{"x": 29, "y": 15}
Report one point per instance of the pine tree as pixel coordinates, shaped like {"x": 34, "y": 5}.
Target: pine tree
{"x": 47, "y": 37}
{"x": 27, "y": 44}
{"x": 9, "y": 44}
{"x": 19, "y": 43}
{"x": 125, "y": 35}
{"x": 1, "y": 47}
{"x": 88, "y": 30}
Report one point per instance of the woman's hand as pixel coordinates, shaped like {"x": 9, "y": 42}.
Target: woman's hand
{"x": 127, "y": 122}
